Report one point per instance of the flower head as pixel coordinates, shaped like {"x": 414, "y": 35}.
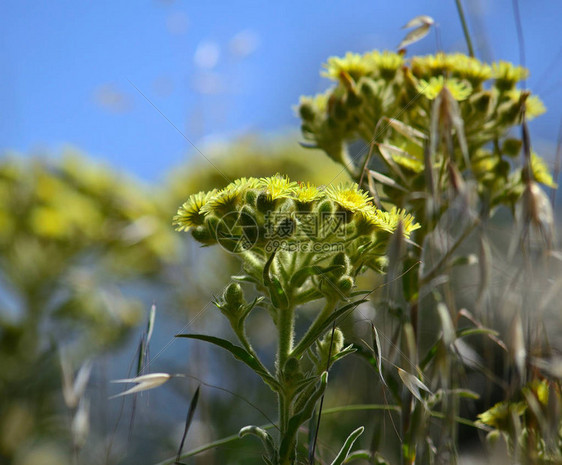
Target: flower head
{"x": 533, "y": 105}
{"x": 469, "y": 68}
{"x": 349, "y": 197}
{"x": 507, "y": 74}
{"x": 387, "y": 63}
{"x": 191, "y": 213}
{"x": 227, "y": 197}
{"x": 306, "y": 193}
{"x": 352, "y": 65}
{"x": 431, "y": 65}
{"x": 388, "y": 221}
{"x": 460, "y": 90}
{"x": 277, "y": 187}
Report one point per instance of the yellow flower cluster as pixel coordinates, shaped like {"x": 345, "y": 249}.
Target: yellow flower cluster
{"x": 279, "y": 194}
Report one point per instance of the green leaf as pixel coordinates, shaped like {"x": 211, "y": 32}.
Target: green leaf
{"x": 344, "y": 352}
{"x": 344, "y": 452}
{"x": 472, "y": 331}
{"x": 277, "y": 295}
{"x": 188, "y": 421}
{"x": 264, "y": 436}
{"x": 314, "y": 333}
{"x": 238, "y": 352}
{"x": 358, "y": 455}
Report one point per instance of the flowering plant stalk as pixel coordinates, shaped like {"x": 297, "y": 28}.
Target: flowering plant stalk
{"x": 298, "y": 243}
{"x": 438, "y": 137}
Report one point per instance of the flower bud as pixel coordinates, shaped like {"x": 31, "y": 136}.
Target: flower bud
{"x": 250, "y": 197}
{"x": 324, "y": 345}
{"x": 353, "y": 99}
{"x": 292, "y": 371}
{"x": 233, "y": 296}
{"x": 511, "y": 147}
{"x": 345, "y": 284}
{"x": 306, "y": 111}
{"x": 343, "y": 260}
{"x": 265, "y": 203}
{"x": 211, "y": 223}
{"x": 481, "y": 101}
{"x": 203, "y": 235}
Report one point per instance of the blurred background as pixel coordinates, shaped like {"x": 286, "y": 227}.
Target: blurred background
{"x": 111, "y": 112}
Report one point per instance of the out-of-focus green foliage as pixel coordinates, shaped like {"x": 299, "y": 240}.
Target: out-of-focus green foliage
{"x": 73, "y": 234}
{"x": 79, "y": 244}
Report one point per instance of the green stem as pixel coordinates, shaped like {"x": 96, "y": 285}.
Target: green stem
{"x": 286, "y": 329}
{"x": 465, "y": 28}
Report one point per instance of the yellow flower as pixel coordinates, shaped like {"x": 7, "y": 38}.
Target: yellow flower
{"x": 388, "y": 221}
{"x": 469, "y": 68}
{"x": 507, "y": 74}
{"x": 460, "y": 90}
{"x": 352, "y": 65}
{"x": 277, "y": 187}
{"x": 499, "y": 416}
{"x": 533, "y": 105}
{"x": 306, "y": 193}
{"x": 349, "y": 197}
{"x": 190, "y": 214}
{"x": 227, "y": 197}
{"x": 541, "y": 172}
{"x": 387, "y": 63}
{"x": 431, "y": 65}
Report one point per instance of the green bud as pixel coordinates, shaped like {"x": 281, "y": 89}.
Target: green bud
{"x": 340, "y": 111}
{"x": 323, "y": 347}
{"x": 292, "y": 370}
{"x": 250, "y": 197}
{"x": 325, "y": 208}
{"x": 508, "y": 112}
{"x": 343, "y": 260}
{"x": 345, "y": 284}
{"x": 511, "y": 147}
{"x": 233, "y": 296}
{"x": 353, "y": 99}
{"x": 368, "y": 89}
{"x": 481, "y": 101}
{"x": 306, "y": 111}
{"x": 203, "y": 235}
{"x": 265, "y": 203}
{"x": 211, "y": 223}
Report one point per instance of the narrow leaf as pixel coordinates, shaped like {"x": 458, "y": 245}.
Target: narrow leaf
{"x": 344, "y": 452}
{"x": 238, "y": 352}
{"x": 378, "y": 355}
{"x": 263, "y": 435}
{"x": 188, "y": 420}
{"x": 314, "y": 333}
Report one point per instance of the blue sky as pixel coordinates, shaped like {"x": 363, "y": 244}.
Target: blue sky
{"x": 219, "y": 69}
